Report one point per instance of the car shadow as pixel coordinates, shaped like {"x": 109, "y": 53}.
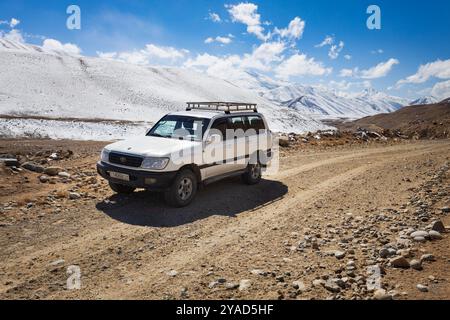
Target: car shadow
{"x": 227, "y": 198}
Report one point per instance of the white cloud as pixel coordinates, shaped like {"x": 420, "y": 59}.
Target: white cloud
{"x": 151, "y": 54}
{"x": 268, "y": 52}
{"x": 107, "y": 55}
{"x": 301, "y": 65}
{"x": 380, "y": 70}
{"x": 247, "y": 14}
{"x": 349, "y": 73}
{"x": 379, "y": 51}
{"x": 293, "y": 31}
{"x": 348, "y": 57}
{"x": 335, "y": 50}
{"x": 14, "y": 22}
{"x": 437, "y": 69}
{"x": 262, "y": 58}
{"x": 164, "y": 52}
{"x": 214, "y": 17}
{"x": 222, "y": 40}
{"x": 13, "y": 35}
{"x": 56, "y": 46}
{"x": 329, "y": 40}
{"x": 441, "y": 90}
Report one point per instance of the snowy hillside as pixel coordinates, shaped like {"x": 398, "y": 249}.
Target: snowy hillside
{"x": 320, "y": 102}
{"x": 424, "y": 100}
{"x": 57, "y": 85}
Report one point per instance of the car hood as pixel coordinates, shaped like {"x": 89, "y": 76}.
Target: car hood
{"x": 151, "y": 146}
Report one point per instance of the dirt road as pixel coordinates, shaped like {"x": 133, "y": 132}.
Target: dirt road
{"x": 309, "y": 232}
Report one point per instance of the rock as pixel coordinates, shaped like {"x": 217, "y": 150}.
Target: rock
{"x": 299, "y": 285}
{"x": 381, "y": 294}
{"x": 399, "y": 262}
{"x": 52, "y": 171}
{"x": 57, "y": 262}
{"x": 415, "y": 264}
{"x": 212, "y": 284}
{"x": 284, "y": 142}
{"x": 54, "y": 156}
{"x": 11, "y": 162}
{"x": 422, "y": 288}
{"x": 332, "y": 286}
{"x": 32, "y": 166}
{"x": 438, "y": 226}
{"x": 244, "y": 284}
{"x": 172, "y": 273}
{"x": 231, "y": 285}
{"x": 445, "y": 210}
{"x": 420, "y": 239}
{"x": 64, "y": 174}
{"x": 258, "y": 272}
{"x": 386, "y": 253}
{"x": 44, "y": 179}
{"x": 74, "y": 196}
{"x": 434, "y": 235}
{"x": 427, "y": 257}
{"x": 339, "y": 254}
{"x": 420, "y": 233}
{"x": 318, "y": 283}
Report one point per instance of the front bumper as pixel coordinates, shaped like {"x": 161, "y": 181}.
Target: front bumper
{"x": 138, "y": 179}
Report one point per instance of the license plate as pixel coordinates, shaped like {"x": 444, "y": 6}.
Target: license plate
{"x": 119, "y": 176}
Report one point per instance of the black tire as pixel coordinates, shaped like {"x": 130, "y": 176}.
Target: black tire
{"x": 121, "y": 189}
{"x": 183, "y": 190}
{"x": 253, "y": 174}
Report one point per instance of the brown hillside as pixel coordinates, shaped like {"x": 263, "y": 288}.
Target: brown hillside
{"x": 423, "y": 121}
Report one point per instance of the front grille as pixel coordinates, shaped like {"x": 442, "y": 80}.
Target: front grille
{"x": 125, "y": 160}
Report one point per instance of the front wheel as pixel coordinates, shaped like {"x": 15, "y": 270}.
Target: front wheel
{"x": 253, "y": 174}
{"x": 121, "y": 189}
{"x": 183, "y": 190}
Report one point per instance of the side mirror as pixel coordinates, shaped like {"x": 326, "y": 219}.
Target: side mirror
{"x": 214, "y": 138}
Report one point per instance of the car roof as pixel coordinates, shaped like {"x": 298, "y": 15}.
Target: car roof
{"x": 210, "y": 114}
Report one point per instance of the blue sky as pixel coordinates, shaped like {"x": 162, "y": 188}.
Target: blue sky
{"x": 413, "y": 34}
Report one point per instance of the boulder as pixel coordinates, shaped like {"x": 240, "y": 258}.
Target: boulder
{"x": 34, "y": 167}
{"x": 399, "y": 262}
{"x": 52, "y": 171}
{"x": 438, "y": 226}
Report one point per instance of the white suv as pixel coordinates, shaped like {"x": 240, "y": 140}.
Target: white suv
{"x": 186, "y": 150}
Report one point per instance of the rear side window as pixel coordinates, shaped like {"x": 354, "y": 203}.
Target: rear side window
{"x": 238, "y": 123}
{"x": 256, "y": 123}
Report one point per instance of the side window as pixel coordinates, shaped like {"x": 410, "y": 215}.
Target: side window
{"x": 256, "y": 123}
{"x": 238, "y": 125}
{"x": 220, "y": 125}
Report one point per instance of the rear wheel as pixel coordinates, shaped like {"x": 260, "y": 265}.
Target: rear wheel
{"x": 183, "y": 190}
{"x": 253, "y": 174}
{"x": 121, "y": 189}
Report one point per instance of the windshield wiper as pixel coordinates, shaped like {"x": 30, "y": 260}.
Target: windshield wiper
{"x": 158, "y": 135}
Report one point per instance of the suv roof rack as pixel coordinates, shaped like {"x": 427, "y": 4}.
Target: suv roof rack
{"x": 226, "y": 107}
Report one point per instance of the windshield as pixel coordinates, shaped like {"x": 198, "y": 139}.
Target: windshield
{"x": 180, "y": 127}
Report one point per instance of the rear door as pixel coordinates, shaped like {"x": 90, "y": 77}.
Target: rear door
{"x": 240, "y": 144}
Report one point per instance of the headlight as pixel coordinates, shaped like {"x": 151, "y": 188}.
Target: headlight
{"x": 105, "y": 155}
{"x": 155, "y": 163}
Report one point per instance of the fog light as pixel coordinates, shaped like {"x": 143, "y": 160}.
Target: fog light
{"x": 150, "y": 180}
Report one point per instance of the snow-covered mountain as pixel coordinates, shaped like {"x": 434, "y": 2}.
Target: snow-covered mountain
{"x": 321, "y": 102}
{"x": 37, "y": 83}
{"x": 424, "y": 100}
